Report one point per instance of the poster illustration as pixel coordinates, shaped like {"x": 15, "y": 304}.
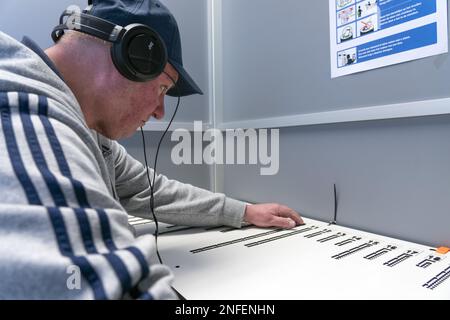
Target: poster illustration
{"x": 369, "y": 34}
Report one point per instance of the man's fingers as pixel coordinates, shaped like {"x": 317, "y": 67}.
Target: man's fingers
{"x": 285, "y": 223}
{"x": 287, "y": 212}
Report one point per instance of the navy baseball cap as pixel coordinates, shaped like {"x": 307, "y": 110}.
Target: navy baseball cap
{"x": 155, "y": 15}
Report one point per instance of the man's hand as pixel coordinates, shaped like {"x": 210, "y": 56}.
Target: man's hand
{"x": 272, "y": 215}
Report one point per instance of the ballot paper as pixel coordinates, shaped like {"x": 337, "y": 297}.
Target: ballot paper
{"x": 312, "y": 261}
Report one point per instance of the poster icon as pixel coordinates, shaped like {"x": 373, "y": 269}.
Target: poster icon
{"x": 347, "y": 32}
{"x": 343, "y": 3}
{"x": 347, "y": 57}
{"x": 367, "y": 25}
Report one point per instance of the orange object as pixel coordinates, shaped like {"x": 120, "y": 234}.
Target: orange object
{"x": 443, "y": 250}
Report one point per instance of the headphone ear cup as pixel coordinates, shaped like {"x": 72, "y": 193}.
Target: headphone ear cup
{"x": 140, "y": 55}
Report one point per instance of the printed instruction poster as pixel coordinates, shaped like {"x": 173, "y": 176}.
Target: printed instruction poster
{"x": 370, "y": 34}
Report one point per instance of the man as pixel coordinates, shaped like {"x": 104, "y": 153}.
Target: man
{"x": 67, "y": 188}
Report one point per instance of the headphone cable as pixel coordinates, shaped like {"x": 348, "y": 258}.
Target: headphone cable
{"x": 152, "y": 185}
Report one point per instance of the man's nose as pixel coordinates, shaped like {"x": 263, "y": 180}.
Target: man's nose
{"x": 159, "y": 112}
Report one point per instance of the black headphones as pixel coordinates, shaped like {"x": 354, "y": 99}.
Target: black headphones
{"x": 137, "y": 51}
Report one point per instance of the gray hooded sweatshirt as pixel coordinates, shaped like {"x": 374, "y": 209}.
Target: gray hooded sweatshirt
{"x": 66, "y": 193}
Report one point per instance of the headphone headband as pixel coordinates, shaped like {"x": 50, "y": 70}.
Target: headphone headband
{"x": 89, "y": 24}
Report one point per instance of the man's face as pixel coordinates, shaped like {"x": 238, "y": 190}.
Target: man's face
{"x": 132, "y": 104}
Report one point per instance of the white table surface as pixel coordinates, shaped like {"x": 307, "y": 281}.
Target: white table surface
{"x": 298, "y": 266}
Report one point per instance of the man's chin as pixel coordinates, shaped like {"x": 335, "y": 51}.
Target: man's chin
{"x": 121, "y": 135}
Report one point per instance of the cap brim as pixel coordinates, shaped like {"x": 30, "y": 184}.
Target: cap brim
{"x": 185, "y": 84}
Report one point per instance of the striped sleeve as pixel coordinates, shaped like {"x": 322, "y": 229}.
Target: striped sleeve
{"x": 62, "y": 235}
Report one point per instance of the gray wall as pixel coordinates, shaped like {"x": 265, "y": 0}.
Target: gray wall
{"x": 393, "y": 176}
{"x": 34, "y": 19}
{"x": 277, "y": 62}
